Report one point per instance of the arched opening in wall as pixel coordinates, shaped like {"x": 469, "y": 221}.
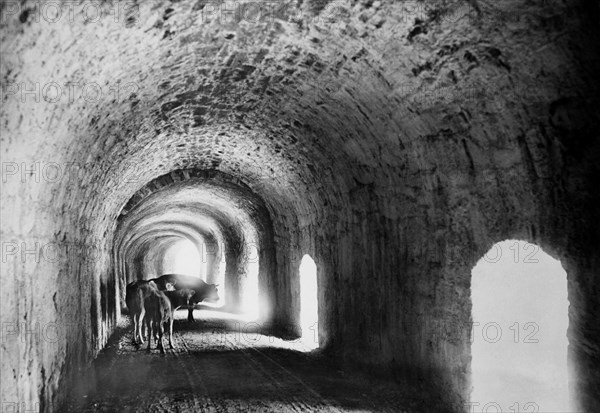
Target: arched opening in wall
{"x": 309, "y": 303}
{"x": 519, "y": 337}
{"x": 183, "y": 257}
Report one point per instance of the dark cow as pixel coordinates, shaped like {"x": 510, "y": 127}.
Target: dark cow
{"x": 135, "y": 296}
{"x": 202, "y": 290}
{"x": 179, "y": 298}
{"x": 158, "y": 313}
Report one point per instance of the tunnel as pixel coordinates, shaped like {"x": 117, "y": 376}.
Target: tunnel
{"x": 389, "y": 144}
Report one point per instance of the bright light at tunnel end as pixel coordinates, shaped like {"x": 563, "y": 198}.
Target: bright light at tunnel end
{"x": 309, "y": 303}
{"x": 184, "y": 258}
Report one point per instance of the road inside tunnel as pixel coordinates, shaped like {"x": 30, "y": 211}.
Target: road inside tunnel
{"x": 223, "y": 364}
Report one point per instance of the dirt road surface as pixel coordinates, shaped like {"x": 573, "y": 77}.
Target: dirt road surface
{"x": 222, "y": 364}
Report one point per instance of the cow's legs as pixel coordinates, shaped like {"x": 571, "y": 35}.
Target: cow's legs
{"x": 171, "y": 332}
{"x": 135, "y": 327}
{"x": 149, "y": 332}
{"x": 155, "y": 332}
{"x": 141, "y": 322}
{"x": 140, "y": 325}
{"x": 161, "y": 331}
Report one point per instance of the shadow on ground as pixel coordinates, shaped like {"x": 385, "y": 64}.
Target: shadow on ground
{"x": 224, "y": 365}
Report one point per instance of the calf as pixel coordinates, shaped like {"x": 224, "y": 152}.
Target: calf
{"x": 178, "y": 298}
{"x": 158, "y": 312}
{"x": 136, "y": 293}
{"x": 202, "y": 290}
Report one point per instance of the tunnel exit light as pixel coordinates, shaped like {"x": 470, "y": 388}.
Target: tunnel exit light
{"x": 309, "y": 303}
{"x": 519, "y": 336}
{"x": 184, "y": 258}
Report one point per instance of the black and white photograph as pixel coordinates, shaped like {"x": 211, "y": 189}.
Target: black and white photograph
{"x": 328, "y": 206}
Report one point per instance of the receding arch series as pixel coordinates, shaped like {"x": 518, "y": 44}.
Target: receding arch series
{"x": 205, "y": 223}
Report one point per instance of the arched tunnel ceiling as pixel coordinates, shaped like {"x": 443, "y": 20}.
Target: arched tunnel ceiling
{"x": 228, "y": 206}
{"x": 154, "y": 232}
{"x": 188, "y": 225}
{"x": 215, "y": 207}
{"x": 287, "y": 102}
{"x": 159, "y": 238}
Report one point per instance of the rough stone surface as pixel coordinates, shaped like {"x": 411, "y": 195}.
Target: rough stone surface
{"x": 394, "y": 142}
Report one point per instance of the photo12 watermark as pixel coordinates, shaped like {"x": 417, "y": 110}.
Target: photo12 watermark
{"x": 495, "y": 407}
{"x": 70, "y": 11}
{"x": 26, "y": 331}
{"x": 53, "y": 91}
{"x": 40, "y": 250}
{"x": 521, "y": 253}
{"x": 490, "y": 332}
{"x": 517, "y": 332}
{"x": 70, "y": 173}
